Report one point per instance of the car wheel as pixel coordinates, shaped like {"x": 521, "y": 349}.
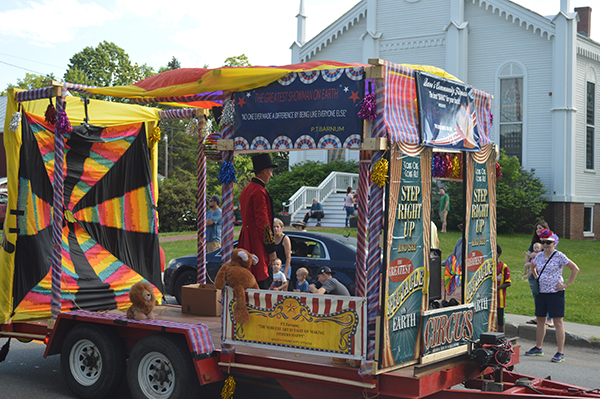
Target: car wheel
{"x": 187, "y": 277}
{"x": 160, "y": 367}
{"x": 92, "y": 361}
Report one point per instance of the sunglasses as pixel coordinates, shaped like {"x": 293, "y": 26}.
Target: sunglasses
{"x": 547, "y": 242}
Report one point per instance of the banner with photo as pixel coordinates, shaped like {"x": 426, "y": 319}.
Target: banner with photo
{"x": 407, "y": 254}
{"x": 480, "y": 233}
{"x": 447, "y": 113}
{"x": 325, "y": 325}
{"x": 303, "y": 111}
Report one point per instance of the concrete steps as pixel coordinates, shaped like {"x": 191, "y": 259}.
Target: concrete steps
{"x": 335, "y": 214}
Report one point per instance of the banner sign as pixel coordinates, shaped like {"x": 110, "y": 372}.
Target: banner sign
{"x": 447, "y": 113}
{"x": 305, "y": 110}
{"x": 480, "y": 266}
{"x": 317, "y": 324}
{"x": 405, "y": 270}
{"x": 447, "y": 328}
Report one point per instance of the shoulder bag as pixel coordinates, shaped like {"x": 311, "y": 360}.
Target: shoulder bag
{"x": 534, "y": 283}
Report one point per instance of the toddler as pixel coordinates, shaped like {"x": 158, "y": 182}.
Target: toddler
{"x": 279, "y": 281}
{"x": 301, "y": 283}
{"x": 537, "y": 248}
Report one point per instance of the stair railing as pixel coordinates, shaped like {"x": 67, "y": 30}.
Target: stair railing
{"x": 335, "y": 182}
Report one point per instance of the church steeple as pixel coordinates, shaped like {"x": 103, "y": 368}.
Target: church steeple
{"x": 301, "y": 24}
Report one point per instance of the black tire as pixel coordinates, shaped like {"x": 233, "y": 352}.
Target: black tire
{"x": 185, "y": 278}
{"x": 160, "y": 367}
{"x": 92, "y": 361}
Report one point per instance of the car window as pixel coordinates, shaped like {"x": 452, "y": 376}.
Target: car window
{"x": 3, "y": 199}
{"x": 306, "y": 248}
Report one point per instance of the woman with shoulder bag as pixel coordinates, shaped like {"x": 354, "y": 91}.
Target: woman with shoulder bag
{"x": 548, "y": 267}
{"x": 531, "y": 253}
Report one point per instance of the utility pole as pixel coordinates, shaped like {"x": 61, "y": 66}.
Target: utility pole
{"x": 166, "y": 156}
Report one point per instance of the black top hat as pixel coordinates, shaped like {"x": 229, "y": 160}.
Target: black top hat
{"x": 262, "y": 161}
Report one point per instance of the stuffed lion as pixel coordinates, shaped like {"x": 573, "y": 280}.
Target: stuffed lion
{"x": 238, "y": 276}
{"x": 143, "y": 300}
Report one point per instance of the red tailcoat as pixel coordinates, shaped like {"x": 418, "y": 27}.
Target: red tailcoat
{"x": 256, "y": 236}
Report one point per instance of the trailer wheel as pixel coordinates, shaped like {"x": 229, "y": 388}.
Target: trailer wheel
{"x": 92, "y": 361}
{"x": 161, "y": 367}
{"x": 186, "y": 278}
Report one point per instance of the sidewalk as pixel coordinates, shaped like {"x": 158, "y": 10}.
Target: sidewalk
{"x": 576, "y": 334}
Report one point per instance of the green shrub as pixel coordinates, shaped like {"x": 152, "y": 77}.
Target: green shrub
{"x": 177, "y": 204}
{"x": 519, "y": 201}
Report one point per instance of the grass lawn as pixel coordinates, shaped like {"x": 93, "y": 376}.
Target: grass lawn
{"x": 582, "y": 298}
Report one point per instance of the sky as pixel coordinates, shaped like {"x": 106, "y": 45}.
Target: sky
{"x": 40, "y": 36}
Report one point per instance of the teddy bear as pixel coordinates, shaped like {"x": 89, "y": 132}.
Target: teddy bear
{"x": 238, "y": 276}
{"x": 143, "y": 300}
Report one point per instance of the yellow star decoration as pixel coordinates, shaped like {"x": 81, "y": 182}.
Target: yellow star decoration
{"x": 379, "y": 174}
{"x": 155, "y": 135}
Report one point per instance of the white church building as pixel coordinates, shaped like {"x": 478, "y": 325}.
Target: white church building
{"x": 543, "y": 71}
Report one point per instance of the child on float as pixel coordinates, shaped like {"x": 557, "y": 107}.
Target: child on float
{"x": 280, "y": 282}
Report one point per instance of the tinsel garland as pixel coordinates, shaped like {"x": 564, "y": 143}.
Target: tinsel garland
{"x": 368, "y": 109}
{"x": 210, "y": 146}
{"x": 228, "y": 115}
{"x": 227, "y": 173}
{"x": 228, "y": 388}
{"x": 192, "y": 127}
{"x": 206, "y": 129}
{"x": 498, "y": 171}
{"x": 50, "y": 114}
{"x": 62, "y": 122}
{"x": 155, "y": 135}
{"x": 379, "y": 174}
{"x": 15, "y": 121}
{"x": 446, "y": 165}
{"x": 456, "y": 172}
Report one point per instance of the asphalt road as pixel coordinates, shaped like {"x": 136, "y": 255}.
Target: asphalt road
{"x": 26, "y": 374}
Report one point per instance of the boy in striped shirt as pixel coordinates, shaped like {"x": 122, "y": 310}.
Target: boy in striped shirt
{"x": 503, "y": 279}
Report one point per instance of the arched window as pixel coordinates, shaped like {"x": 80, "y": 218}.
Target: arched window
{"x": 512, "y": 100}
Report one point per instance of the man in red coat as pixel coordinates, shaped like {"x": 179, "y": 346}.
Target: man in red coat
{"x": 257, "y": 219}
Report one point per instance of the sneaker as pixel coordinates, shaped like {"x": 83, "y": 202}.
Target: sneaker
{"x": 558, "y": 357}
{"x": 535, "y": 351}
{"x": 318, "y": 225}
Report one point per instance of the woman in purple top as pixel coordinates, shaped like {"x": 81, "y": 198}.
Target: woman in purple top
{"x": 549, "y": 265}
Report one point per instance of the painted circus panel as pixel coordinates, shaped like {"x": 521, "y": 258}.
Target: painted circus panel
{"x": 447, "y": 328}
{"x": 306, "y": 110}
{"x": 407, "y": 253}
{"x": 300, "y": 323}
{"x": 481, "y": 240}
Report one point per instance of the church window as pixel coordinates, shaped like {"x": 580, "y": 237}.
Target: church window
{"x": 511, "y": 110}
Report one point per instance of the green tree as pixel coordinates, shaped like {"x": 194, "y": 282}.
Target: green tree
{"x": 105, "y": 65}
{"x": 31, "y": 81}
{"x": 310, "y": 173}
{"x": 237, "y": 61}
{"x": 173, "y": 64}
{"x": 177, "y": 204}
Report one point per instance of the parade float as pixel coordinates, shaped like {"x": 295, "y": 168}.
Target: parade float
{"x": 82, "y": 186}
